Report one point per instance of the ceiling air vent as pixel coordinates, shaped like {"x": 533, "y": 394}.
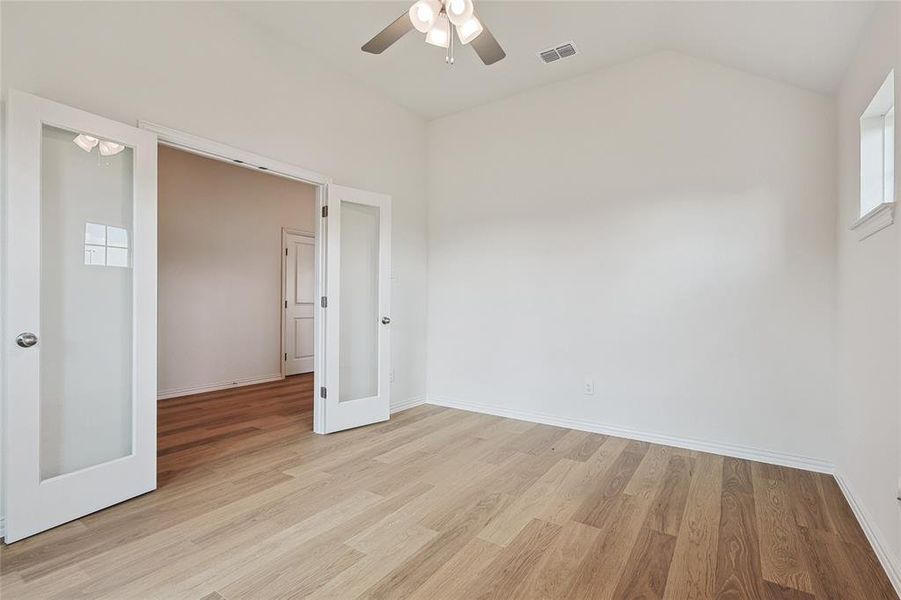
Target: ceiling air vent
{"x": 549, "y": 55}
{"x": 556, "y": 53}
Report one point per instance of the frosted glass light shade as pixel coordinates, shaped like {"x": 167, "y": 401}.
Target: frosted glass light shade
{"x": 85, "y": 142}
{"x": 469, "y": 30}
{"x": 424, "y": 13}
{"x": 458, "y": 11}
{"x": 439, "y": 34}
{"x": 110, "y": 148}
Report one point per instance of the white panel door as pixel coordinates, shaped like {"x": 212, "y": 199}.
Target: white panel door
{"x": 357, "y": 330}
{"x": 80, "y": 314}
{"x": 300, "y": 302}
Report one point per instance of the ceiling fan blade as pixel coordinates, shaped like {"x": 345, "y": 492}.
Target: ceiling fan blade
{"x": 487, "y": 47}
{"x": 389, "y": 35}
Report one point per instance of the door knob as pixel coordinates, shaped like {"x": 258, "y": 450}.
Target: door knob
{"x": 27, "y": 339}
{"x": 385, "y": 320}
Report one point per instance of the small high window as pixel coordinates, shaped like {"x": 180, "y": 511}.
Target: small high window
{"x": 877, "y": 149}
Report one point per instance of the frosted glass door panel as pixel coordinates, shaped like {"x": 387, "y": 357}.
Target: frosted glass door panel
{"x": 86, "y": 399}
{"x": 359, "y": 319}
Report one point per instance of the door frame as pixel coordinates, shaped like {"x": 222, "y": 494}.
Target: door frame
{"x": 208, "y": 148}
{"x": 308, "y": 234}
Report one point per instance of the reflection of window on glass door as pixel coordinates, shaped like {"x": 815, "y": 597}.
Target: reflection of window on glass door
{"x": 105, "y": 245}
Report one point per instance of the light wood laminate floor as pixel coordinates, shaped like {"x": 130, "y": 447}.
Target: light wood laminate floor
{"x": 443, "y": 504}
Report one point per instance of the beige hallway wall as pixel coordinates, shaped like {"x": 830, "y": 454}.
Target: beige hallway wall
{"x": 220, "y": 257}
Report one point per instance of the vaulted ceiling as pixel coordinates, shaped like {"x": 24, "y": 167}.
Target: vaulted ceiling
{"x": 807, "y": 44}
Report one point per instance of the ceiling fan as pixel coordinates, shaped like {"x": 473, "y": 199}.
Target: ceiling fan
{"x": 442, "y": 21}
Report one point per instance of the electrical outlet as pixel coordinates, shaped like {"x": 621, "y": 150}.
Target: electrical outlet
{"x": 589, "y": 387}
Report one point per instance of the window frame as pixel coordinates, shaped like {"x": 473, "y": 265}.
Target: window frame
{"x": 876, "y": 200}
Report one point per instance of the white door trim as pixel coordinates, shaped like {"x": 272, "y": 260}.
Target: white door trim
{"x": 286, "y": 231}
{"x": 242, "y": 158}
{"x": 250, "y": 160}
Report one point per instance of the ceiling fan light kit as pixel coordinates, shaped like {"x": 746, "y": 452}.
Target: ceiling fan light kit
{"x": 88, "y": 142}
{"x": 458, "y": 11}
{"x": 434, "y": 18}
{"x": 424, "y": 14}
{"x": 440, "y": 33}
{"x": 469, "y": 29}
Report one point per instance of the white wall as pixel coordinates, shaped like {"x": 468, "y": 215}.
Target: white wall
{"x": 200, "y": 68}
{"x": 665, "y": 228}
{"x": 868, "y": 302}
{"x": 220, "y": 270}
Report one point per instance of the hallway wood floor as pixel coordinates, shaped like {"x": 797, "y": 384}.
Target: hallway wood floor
{"x": 443, "y": 504}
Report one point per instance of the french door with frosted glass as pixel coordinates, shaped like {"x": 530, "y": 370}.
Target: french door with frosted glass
{"x": 79, "y": 316}
{"x": 357, "y": 290}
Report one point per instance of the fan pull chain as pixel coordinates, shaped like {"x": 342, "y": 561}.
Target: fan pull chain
{"x": 449, "y": 57}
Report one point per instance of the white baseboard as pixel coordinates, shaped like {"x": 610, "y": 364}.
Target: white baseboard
{"x": 396, "y": 407}
{"x": 874, "y": 536}
{"x": 215, "y": 387}
{"x": 733, "y": 450}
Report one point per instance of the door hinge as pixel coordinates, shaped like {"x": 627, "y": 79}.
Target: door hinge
{"x": 325, "y": 211}
{"x": 286, "y": 252}
{"x": 286, "y": 304}
{"x": 323, "y": 302}
{"x": 286, "y": 356}
{"x": 323, "y": 392}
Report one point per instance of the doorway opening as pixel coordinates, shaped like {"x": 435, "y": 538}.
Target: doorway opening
{"x": 236, "y": 276}
{"x": 298, "y": 316}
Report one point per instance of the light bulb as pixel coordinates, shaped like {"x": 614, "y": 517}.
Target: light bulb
{"x": 108, "y": 148}
{"x": 439, "y": 34}
{"x": 458, "y": 11}
{"x": 85, "y": 142}
{"x": 424, "y": 13}
{"x": 469, "y": 30}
